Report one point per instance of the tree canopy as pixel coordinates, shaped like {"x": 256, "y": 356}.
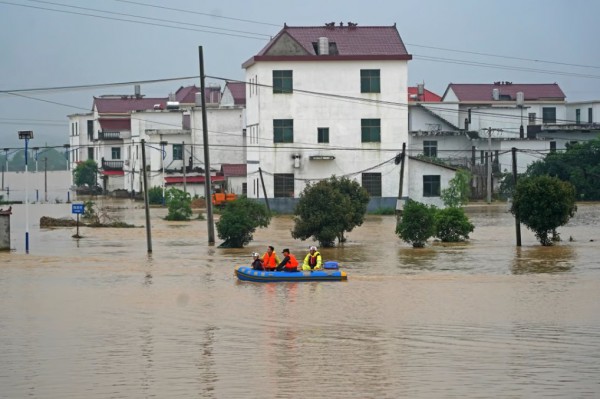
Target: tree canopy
{"x": 179, "y": 204}
{"x": 579, "y": 164}
{"x": 543, "y": 203}
{"x": 85, "y": 173}
{"x": 239, "y": 220}
{"x": 459, "y": 189}
{"x": 417, "y": 224}
{"x": 328, "y": 209}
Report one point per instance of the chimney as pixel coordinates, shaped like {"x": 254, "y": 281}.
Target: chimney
{"x": 137, "y": 91}
{"x": 323, "y": 46}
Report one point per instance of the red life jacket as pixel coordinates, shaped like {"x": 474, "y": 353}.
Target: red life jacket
{"x": 312, "y": 259}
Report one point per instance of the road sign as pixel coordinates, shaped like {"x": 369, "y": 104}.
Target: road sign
{"x": 77, "y": 208}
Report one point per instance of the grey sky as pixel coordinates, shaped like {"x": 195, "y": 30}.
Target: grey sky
{"x": 42, "y": 48}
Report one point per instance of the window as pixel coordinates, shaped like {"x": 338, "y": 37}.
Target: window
{"x": 283, "y": 82}
{"x": 283, "y": 185}
{"x": 369, "y": 81}
{"x": 553, "y": 146}
{"x": 90, "y": 153}
{"x": 548, "y": 115}
{"x": 245, "y": 189}
{"x": 115, "y": 152}
{"x": 431, "y": 186}
{"x": 323, "y": 135}
{"x": 90, "y": 129}
{"x": 372, "y": 183}
{"x": 430, "y": 148}
{"x": 283, "y": 130}
{"x": 578, "y": 116}
{"x": 370, "y": 130}
{"x": 177, "y": 152}
{"x": 532, "y": 118}
{"x": 590, "y": 115}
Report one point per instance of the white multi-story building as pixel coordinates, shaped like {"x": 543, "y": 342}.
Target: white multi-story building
{"x": 325, "y": 101}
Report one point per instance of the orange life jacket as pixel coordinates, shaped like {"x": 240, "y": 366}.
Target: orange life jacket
{"x": 292, "y": 262}
{"x": 269, "y": 261}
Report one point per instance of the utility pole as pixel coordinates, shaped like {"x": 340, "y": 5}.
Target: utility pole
{"x": 264, "y": 189}
{"x": 399, "y": 204}
{"x": 207, "y": 182}
{"x": 489, "y": 165}
{"x": 184, "y": 165}
{"x": 46, "y": 179}
{"x": 146, "y": 204}
{"x": 514, "y": 172}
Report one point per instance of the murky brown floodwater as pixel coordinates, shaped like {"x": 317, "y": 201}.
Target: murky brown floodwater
{"x": 99, "y": 318}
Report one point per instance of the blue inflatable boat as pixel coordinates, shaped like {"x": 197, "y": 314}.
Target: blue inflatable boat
{"x": 328, "y": 274}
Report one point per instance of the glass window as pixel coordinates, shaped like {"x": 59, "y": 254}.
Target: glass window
{"x": 430, "y": 148}
{"x": 372, "y": 183}
{"x": 578, "y": 116}
{"x": 370, "y": 130}
{"x": 283, "y": 130}
{"x": 283, "y": 185}
{"x": 590, "y": 116}
{"x": 369, "y": 81}
{"x": 283, "y": 82}
{"x": 548, "y": 115}
{"x": 90, "y": 153}
{"x": 532, "y": 118}
{"x": 323, "y": 135}
{"x": 177, "y": 152}
{"x": 553, "y": 146}
{"x": 115, "y": 152}
{"x": 431, "y": 186}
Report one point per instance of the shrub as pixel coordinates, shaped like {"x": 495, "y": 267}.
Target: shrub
{"x": 239, "y": 220}
{"x": 179, "y": 204}
{"x": 452, "y": 225}
{"x": 417, "y": 224}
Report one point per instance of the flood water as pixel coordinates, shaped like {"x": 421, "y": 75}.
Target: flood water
{"x": 100, "y": 318}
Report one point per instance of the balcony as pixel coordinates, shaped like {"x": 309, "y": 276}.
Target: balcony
{"x": 109, "y": 135}
{"x": 112, "y": 165}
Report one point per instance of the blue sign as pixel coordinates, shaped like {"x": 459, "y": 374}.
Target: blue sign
{"x": 77, "y": 208}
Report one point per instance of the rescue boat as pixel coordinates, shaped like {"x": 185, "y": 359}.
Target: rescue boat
{"x": 330, "y": 272}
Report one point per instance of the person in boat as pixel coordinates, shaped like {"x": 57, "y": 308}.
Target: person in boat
{"x": 270, "y": 259}
{"x": 313, "y": 260}
{"x": 257, "y": 263}
{"x": 289, "y": 263}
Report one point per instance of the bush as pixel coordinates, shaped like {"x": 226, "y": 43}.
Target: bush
{"x": 452, "y": 225}
{"x": 239, "y": 220}
{"x": 155, "y": 196}
{"x": 417, "y": 224}
{"x": 179, "y": 204}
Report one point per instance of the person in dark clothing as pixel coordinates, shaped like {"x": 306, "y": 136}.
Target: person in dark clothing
{"x": 257, "y": 263}
{"x": 289, "y": 262}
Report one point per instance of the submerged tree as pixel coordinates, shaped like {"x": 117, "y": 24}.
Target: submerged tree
{"x": 417, "y": 224}
{"x": 85, "y": 173}
{"x": 239, "y": 220}
{"x": 459, "y": 189}
{"x": 543, "y": 203}
{"x": 179, "y": 204}
{"x": 452, "y": 225}
{"x": 328, "y": 209}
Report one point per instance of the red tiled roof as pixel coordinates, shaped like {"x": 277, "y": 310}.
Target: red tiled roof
{"x": 187, "y": 95}
{"x": 508, "y": 92}
{"x": 352, "y": 42}
{"x": 427, "y": 95}
{"x": 115, "y": 125}
{"x": 192, "y": 179}
{"x": 238, "y": 92}
{"x": 125, "y": 104}
{"x": 233, "y": 169}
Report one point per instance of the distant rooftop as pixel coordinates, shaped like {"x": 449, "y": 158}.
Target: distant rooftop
{"x": 507, "y": 91}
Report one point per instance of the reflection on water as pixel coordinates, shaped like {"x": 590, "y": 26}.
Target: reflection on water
{"x": 100, "y": 317}
{"x": 554, "y": 259}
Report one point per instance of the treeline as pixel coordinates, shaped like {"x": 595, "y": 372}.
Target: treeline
{"x": 55, "y": 160}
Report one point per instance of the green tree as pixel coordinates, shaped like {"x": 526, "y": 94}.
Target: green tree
{"x": 179, "y": 204}
{"x": 459, "y": 189}
{"x": 155, "y": 195}
{"x": 417, "y": 224}
{"x": 85, "y": 173}
{"x": 452, "y": 225}
{"x": 328, "y": 209}
{"x": 579, "y": 165}
{"x": 239, "y": 220}
{"x": 543, "y": 203}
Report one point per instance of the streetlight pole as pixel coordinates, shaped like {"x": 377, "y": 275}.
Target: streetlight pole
{"x": 26, "y": 135}
{"x": 162, "y": 162}
{"x": 36, "y": 149}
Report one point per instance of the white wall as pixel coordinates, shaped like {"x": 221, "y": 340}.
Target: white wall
{"x": 416, "y": 171}
{"x": 341, "y": 115}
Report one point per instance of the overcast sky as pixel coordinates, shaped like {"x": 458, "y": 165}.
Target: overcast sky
{"x": 464, "y": 41}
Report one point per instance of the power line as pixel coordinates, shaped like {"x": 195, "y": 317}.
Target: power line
{"x": 130, "y": 21}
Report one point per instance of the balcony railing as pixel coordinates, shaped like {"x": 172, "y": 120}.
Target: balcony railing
{"x": 109, "y": 135}
{"x": 112, "y": 165}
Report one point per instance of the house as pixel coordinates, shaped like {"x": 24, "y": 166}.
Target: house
{"x": 172, "y": 129}
{"x": 322, "y": 101}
